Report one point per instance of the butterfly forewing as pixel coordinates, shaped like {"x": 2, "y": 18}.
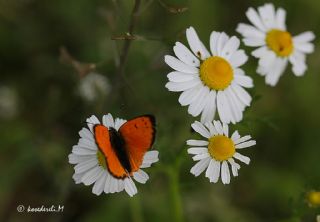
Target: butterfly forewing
{"x": 102, "y": 138}
{"x": 138, "y": 134}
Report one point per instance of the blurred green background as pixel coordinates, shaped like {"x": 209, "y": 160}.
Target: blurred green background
{"x": 46, "y": 95}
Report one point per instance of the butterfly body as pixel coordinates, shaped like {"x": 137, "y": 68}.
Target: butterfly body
{"x": 118, "y": 145}
{"x": 124, "y": 149}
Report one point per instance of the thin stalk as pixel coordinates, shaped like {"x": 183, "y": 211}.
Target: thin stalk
{"x": 136, "y": 209}
{"x": 173, "y": 174}
{"x": 127, "y": 43}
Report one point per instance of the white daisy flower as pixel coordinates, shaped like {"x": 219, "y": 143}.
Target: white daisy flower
{"x": 217, "y": 151}
{"x": 210, "y": 81}
{"x": 276, "y": 46}
{"x": 91, "y": 165}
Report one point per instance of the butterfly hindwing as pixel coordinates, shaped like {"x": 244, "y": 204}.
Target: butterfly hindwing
{"x": 103, "y": 140}
{"x": 138, "y": 135}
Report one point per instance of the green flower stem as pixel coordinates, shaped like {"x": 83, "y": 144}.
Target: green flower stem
{"x": 173, "y": 174}
{"x": 136, "y": 209}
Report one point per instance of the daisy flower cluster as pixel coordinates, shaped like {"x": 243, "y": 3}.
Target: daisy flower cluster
{"x": 209, "y": 82}
{"x": 213, "y": 86}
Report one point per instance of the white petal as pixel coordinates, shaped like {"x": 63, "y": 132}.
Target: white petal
{"x": 179, "y": 66}
{"x": 215, "y": 172}
{"x": 184, "y": 54}
{"x": 225, "y": 129}
{"x": 83, "y": 151}
{"x": 130, "y": 187}
{"x": 254, "y": 42}
{"x": 222, "y": 40}
{"x": 108, "y": 121}
{"x": 298, "y": 64}
{"x": 218, "y": 126}
{"x": 210, "y": 169}
{"x": 235, "y": 105}
{"x": 266, "y": 63}
{"x": 121, "y": 185}
{"x": 201, "y": 156}
{"x": 255, "y": 19}
{"x": 239, "y": 72}
{"x": 197, "y": 150}
{"x": 210, "y": 108}
{"x": 197, "y": 106}
{"x": 92, "y": 175}
{"x": 86, "y": 165}
{"x": 77, "y": 177}
{"x": 242, "y": 139}
{"x": 88, "y": 144}
{"x": 280, "y": 18}
{"x": 234, "y": 113}
{"x": 214, "y": 42}
{"x": 99, "y": 184}
{"x": 118, "y": 123}
{"x": 277, "y": 69}
{"x": 234, "y": 167}
{"x": 87, "y": 134}
{"x": 181, "y": 77}
{"x": 74, "y": 158}
{"x": 244, "y": 81}
{"x": 230, "y": 47}
{"x": 182, "y": 86}
{"x": 249, "y": 31}
{"x": 304, "y": 37}
{"x": 241, "y": 94}
{"x": 238, "y": 58}
{"x": 107, "y": 186}
{"x": 223, "y": 108}
{"x": 197, "y": 142}
{"x": 91, "y": 121}
{"x": 199, "y": 128}
{"x": 188, "y": 96}
{"x": 113, "y": 184}
{"x": 211, "y": 128}
{"x": 140, "y": 176}
{"x": 242, "y": 158}
{"x": 267, "y": 15}
{"x": 304, "y": 47}
{"x": 260, "y": 52}
{"x": 151, "y": 155}
{"x": 149, "y": 158}
{"x": 235, "y": 136}
{"x": 267, "y": 59}
{"x": 239, "y": 106}
{"x": 196, "y": 45}
{"x": 246, "y": 144}
{"x": 225, "y": 174}
{"x": 199, "y": 167}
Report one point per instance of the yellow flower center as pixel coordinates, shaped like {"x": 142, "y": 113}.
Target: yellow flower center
{"x": 280, "y": 42}
{"x": 216, "y": 73}
{"x": 101, "y": 159}
{"x": 221, "y": 147}
{"x": 313, "y": 198}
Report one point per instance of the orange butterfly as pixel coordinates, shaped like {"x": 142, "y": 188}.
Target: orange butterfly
{"x": 124, "y": 149}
